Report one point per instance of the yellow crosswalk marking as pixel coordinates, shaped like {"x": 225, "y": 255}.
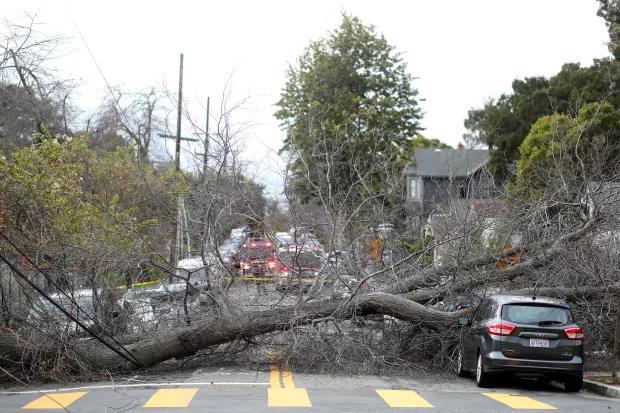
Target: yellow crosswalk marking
{"x": 274, "y": 377}
{"x": 287, "y": 378}
{"x": 54, "y": 401}
{"x": 289, "y": 396}
{"x": 519, "y": 402}
{"x": 171, "y": 398}
{"x": 403, "y": 398}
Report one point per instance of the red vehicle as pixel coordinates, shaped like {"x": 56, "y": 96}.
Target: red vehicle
{"x": 257, "y": 257}
{"x": 294, "y": 266}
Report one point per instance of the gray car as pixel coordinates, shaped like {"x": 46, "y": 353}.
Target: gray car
{"x": 525, "y": 336}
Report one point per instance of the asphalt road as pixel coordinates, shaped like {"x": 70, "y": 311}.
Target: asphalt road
{"x": 238, "y": 390}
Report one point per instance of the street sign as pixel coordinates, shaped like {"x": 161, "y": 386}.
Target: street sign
{"x": 377, "y": 249}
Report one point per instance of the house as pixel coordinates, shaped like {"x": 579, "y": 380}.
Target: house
{"x": 439, "y": 177}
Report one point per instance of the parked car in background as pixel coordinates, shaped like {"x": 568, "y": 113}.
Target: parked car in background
{"x": 385, "y": 228}
{"x": 228, "y": 255}
{"x": 139, "y": 308}
{"x": 195, "y": 270}
{"x": 240, "y": 233}
{"x": 233, "y": 243}
{"x": 296, "y": 230}
{"x": 229, "y": 249}
{"x": 283, "y": 240}
{"x": 80, "y": 304}
{"x": 526, "y": 336}
{"x": 305, "y": 264}
{"x": 296, "y": 266}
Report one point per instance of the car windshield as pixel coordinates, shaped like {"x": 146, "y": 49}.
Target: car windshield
{"x": 536, "y": 314}
{"x": 44, "y": 307}
{"x": 284, "y": 239}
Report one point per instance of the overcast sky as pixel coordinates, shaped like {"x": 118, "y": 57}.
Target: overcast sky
{"x": 461, "y": 51}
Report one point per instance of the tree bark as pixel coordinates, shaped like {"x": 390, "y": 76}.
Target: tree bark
{"x": 187, "y": 341}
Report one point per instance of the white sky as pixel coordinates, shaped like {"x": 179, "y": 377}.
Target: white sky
{"x": 461, "y": 51}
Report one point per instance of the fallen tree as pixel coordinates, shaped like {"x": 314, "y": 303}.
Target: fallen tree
{"x": 187, "y": 341}
{"x": 225, "y": 327}
{"x": 392, "y": 310}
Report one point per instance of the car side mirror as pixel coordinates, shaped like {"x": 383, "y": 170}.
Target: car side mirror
{"x": 464, "y": 321}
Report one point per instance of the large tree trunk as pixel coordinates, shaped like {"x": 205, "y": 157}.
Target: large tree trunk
{"x": 187, "y": 341}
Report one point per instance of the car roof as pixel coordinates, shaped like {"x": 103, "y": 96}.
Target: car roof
{"x": 527, "y": 299}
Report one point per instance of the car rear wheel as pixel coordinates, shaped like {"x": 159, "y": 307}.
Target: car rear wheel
{"x": 459, "y": 364}
{"x": 482, "y": 378}
{"x": 573, "y": 384}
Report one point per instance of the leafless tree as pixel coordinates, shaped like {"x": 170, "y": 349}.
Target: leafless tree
{"x": 138, "y": 116}
{"x": 31, "y": 94}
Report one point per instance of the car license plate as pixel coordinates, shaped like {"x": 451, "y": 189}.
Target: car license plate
{"x": 539, "y": 342}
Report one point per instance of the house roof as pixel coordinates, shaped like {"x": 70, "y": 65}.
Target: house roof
{"x": 457, "y": 163}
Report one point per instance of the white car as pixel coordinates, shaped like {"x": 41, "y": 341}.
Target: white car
{"x": 283, "y": 241}
{"x": 240, "y": 233}
{"x": 385, "y": 227}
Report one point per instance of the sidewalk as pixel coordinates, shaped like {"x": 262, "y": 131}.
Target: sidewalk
{"x": 597, "y": 387}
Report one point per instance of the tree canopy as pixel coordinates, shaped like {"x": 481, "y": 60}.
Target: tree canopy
{"x": 563, "y": 148}
{"x": 422, "y": 142}
{"x": 503, "y": 124}
{"x": 610, "y": 11}
{"x": 69, "y": 206}
{"x": 348, "y": 95}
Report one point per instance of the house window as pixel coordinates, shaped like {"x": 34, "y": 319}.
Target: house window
{"x": 462, "y": 191}
{"x": 415, "y": 188}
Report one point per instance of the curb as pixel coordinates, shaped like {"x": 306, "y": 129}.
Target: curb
{"x": 602, "y": 389}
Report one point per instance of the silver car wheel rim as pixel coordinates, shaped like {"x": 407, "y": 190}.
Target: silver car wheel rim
{"x": 479, "y": 369}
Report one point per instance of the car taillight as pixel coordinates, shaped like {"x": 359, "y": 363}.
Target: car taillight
{"x": 500, "y": 329}
{"x": 246, "y": 265}
{"x": 244, "y": 245}
{"x": 283, "y": 269}
{"x": 268, "y": 244}
{"x": 271, "y": 263}
{"x": 253, "y": 245}
{"x": 574, "y": 333}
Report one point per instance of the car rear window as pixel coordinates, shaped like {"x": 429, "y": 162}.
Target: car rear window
{"x": 536, "y": 314}
{"x": 257, "y": 253}
{"x": 301, "y": 260}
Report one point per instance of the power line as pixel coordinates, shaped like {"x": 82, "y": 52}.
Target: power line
{"x": 65, "y": 312}
{"x": 101, "y": 73}
{"x": 61, "y": 308}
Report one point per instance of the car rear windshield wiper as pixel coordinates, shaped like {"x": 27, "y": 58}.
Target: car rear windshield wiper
{"x": 549, "y": 322}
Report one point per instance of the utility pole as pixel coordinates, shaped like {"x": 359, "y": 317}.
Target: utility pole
{"x": 206, "y": 154}
{"x": 178, "y": 137}
{"x": 178, "y": 244}
{"x": 177, "y": 153}
{"x": 205, "y": 168}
